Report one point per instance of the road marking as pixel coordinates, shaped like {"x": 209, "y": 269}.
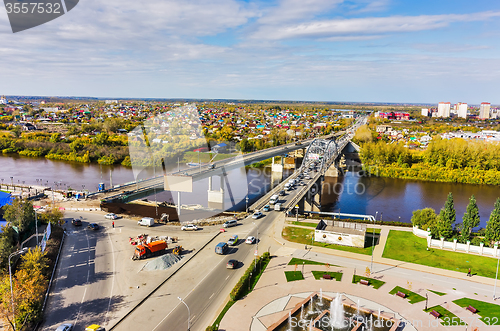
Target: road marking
{"x": 212, "y": 295}
{"x": 113, "y": 281}
{"x": 227, "y": 277}
{"x": 201, "y": 281}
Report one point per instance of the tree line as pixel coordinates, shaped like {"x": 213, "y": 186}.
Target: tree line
{"x": 31, "y": 270}
{"x": 443, "y": 225}
{"x": 454, "y": 160}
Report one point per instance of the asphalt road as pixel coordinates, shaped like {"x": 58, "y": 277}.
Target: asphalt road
{"x": 82, "y": 292}
{"x": 213, "y": 288}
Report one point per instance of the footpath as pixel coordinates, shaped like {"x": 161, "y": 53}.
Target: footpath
{"x": 377, "y": 254}
{"x": 274, "y": 297}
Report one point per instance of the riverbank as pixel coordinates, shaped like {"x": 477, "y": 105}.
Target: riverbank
{"x": 431, "y": 173}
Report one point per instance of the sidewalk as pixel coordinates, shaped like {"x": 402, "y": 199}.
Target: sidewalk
{"x": 377, "y": 255}
{"x": 274, "y": 297}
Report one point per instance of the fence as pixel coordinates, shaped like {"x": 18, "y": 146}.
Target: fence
{"x": 455, "y": 246}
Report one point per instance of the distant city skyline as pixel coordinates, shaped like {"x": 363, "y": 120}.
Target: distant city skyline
{"x": 382, "y": 51}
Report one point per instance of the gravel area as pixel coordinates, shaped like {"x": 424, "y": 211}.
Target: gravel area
{"x": 161, "y": 263}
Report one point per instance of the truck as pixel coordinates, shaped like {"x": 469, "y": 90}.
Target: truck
{"x": 154, "y": 248}
{"x": 147, "y": 221}
{"x": 277, "y": 207}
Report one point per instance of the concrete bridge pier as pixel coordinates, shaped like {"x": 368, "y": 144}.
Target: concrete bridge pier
{"x": 312, "y": 199}
{"x": 333, "y": 171}
{"x": 216, "y": 198}
{"x": 277, "y": 167}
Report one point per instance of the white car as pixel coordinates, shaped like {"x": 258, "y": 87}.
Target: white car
{"x": 65, "y": 327}
{"x": 257, "y": 215}
{"x": 250, "y": 240}
{"x": 189, "y": 227}
{"x": 111, "y": 216}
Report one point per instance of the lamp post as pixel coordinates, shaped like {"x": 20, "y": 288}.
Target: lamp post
{"x": 496, "y": 277}
{"x": 12, "y": 181}
{"x": 189, "y": 313}
{"x": 373, "y": 240}
{"x": 246, "y": 204}
{"x": 11, "y": 290}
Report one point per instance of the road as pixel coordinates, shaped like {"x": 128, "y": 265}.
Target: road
{"x": 83, "y": 290}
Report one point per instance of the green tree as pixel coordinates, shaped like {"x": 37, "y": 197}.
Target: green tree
{"x": 19, "y": 214}
{"x": 447, "y": 218}
{"x": 52, "y": 215}
{"x": 470, "y": 220}
{"x": 444, "y": 228}
{"x": 492, "y": 234}
{"x": 426, "y": 219}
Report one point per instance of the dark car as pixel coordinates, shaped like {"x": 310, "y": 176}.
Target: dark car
{"x": 93, "y": 226}
{"x": 282, "y": 192}
{"x": 76, "y": 222}
{"x": 232, "y": 264}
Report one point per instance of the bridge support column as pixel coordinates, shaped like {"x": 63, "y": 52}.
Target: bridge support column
{"x": 179, "y": 204}
{"x": 333, "y": 171}
{"x": 277, "y": 167}
{"x": 216, "y": 198}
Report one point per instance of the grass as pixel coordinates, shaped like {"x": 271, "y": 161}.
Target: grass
{"x": 373, "y": 282}
{"x": 447, "y": 318}
{"x": 308, "y": 224}
{"x": 411, "y": 296}
{"x": 371, "y": 230}
{"x": 293, "y": 276}
{"x": 404, "y": 246}
{"x": 304, "y": 236}
{"x": 438, "y": 293}
{"x": 490, "y": 313}
{"x": 335, "y": 275}
{"x": 297, "y": 261}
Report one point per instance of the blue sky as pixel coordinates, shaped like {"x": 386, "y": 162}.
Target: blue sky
{"x": 316, "y": 50}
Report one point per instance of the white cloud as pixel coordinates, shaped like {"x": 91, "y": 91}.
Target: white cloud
{"x": 366, "y": 26}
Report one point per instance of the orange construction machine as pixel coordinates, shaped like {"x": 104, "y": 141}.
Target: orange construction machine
{"x": 147, "y": 250}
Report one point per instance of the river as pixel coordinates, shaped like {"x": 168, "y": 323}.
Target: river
{"x": 393, "y": 199}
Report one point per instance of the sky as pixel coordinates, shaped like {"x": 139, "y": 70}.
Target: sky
{"x": 398, "y": 51}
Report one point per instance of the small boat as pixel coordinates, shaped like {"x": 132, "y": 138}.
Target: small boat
{"x": 193, "y": 164}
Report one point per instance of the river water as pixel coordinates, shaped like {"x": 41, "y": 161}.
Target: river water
{"x": 394, "y": 199}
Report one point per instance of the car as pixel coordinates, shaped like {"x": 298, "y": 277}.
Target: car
{"x": 307, "y": 177}
{"x": 266, "y": 208}
{"x": 93, "y": 226}
{"x": 189, "y": 227}
{"x": 257, "y": 215}
{"x": 282, "y": 193}
{"x": 111, "y": 216}
{"x": 230, "y": 223}
{"x": 232, "y": 264}
{"x": 76, "y": 222}
{"x": 233, "y": 240}
{"x": 250, "y": 240}
{"x": 65, "y": 327}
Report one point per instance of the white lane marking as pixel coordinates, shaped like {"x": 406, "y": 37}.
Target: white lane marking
{"x": 112, "y": 281}
{"x": 88, "y": 275}
{"x": 201, "y": 281}
{"x": 227, "y": 277}
{"x": 212, "y": 295}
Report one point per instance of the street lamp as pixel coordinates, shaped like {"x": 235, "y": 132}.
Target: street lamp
{"x": 373, "y": 239}
{"x": 11, "y": 290}
{"x": 12, "y": 181}
{"x": 189, "y": 313}
{"x": 246, "y": 205}
{"x": 496, "y": 277}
